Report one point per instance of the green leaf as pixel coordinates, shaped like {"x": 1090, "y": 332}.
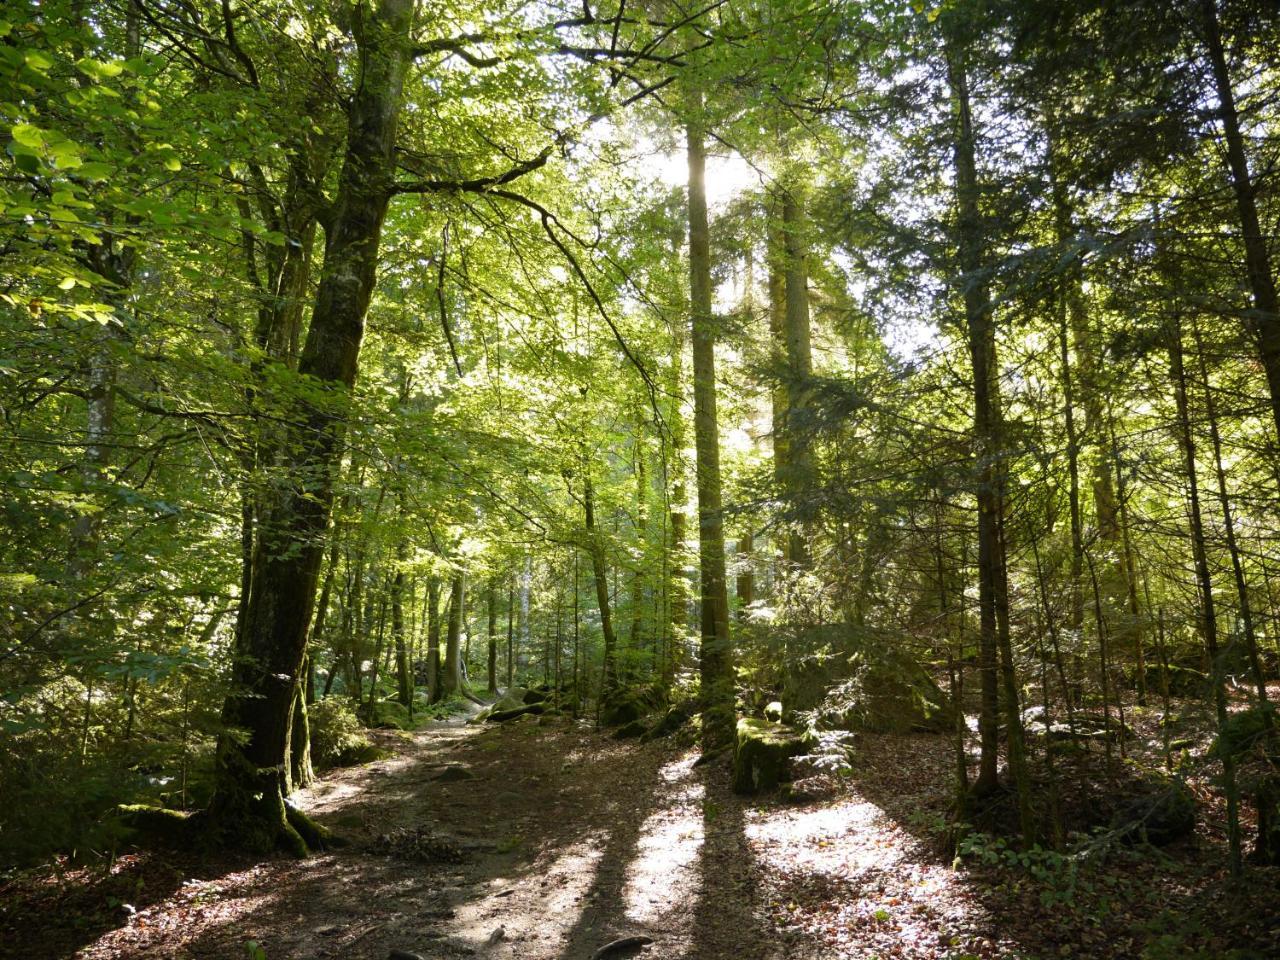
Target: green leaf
{"x": 66, "y": 283}
{"x": 38, "y": 60}
{"x": 28, "y": 135}
{"x": 98, "y": 69}
{"x": 95, "y": 170}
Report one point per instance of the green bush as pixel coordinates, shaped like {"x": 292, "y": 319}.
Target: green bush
{"x": 337, "y": 736}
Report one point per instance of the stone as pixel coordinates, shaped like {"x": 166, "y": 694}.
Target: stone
{"x": 761, "y": 754}
{"x": 453, "y": 773}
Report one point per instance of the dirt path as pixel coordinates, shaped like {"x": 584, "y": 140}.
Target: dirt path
{"x": 568, "y": 841}
{"x": 557, "y": 840}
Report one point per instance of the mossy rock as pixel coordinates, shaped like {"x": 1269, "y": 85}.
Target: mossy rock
{"x": 1164, "y": 812}
{"x": 629, "y": 731}
{"x": 671, "y": 721}
{"x": 621, "y": 711}
{"x": 391, "y": 715}
{"x": 1244, "y": 730}
{"x": 858, "y": 684}
{"x": 762, "y": 753}
{"x": 155, "y": 826}
{"x": 525, "y": 709}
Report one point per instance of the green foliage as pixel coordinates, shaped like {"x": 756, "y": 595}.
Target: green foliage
{"x": 337, "y": 735}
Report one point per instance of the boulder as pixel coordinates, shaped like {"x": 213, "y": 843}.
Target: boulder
{"x": 761, "y": 754}
{"x": 858, "y": 682}
{"x": 620, "y": 711}
{"x": 671, "y": 721}
{"x": 1164, "y": 812}
{"x": 502, "y": 716}
{"x": 636, "y": 728}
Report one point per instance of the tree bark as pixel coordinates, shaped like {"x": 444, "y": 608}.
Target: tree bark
{"x": 798, "y": 468}
{"x": 451, "y": 672}
{"x": 493, "y": 637}
{"x": 1204, "y": 583}
{"x": 1264, "y": 320}
{"x": 716, "y": 667}
{"x": 248, "y": 807}
{"x": 599, "y": 568}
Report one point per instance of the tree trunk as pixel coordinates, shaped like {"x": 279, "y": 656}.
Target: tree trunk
{"x": 493, "y": 637}
{"x": 798, "y": 468}
{"x": 1204, "y": 582}
{"x": 986, "y": 419}
{"x": 1264, "y": 320}
{"x": 451, "y": 673}
{"x": 716, "y": 652}
{"x": 248, "y": 804}
{"x": 433, "y": 639}
{"x": 404, "y": 680}
{"x": 600, "y": 570}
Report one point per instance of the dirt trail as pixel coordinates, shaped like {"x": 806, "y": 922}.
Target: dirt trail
{"x": 568, "y": 840}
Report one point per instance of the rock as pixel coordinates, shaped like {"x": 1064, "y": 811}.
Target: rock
{"x": 497, "y": 936}
{"x": 636, "y": 728}
{"x": 619, "y": 947}
{"x": 671, "y": 721}
{"x": 536, "y": 695}
{"x": 773, "y": 711}
{"x": 1162, "y": 814}
{"x": 620, "y": 712}
{"x": 761, "y": 754}
{"x": 418, "y": 843}
{"x": 453, "y": 773}
{"x": 502, "y": 716}
{"x": 404, "y": 955}
{"x": 855, "y": 684}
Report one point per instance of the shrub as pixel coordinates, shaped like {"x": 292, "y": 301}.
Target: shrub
{"x": 337, "y": 736}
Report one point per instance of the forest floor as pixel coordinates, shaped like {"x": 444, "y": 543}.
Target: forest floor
{"x": 547, "y": 841}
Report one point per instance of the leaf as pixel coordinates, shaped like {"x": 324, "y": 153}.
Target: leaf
{"x": 172, "y": 163}
{"x": 28, "y": 135}
{"x": 98, "y": 69}
{"x": 39, "y": 61}
{"x": 66, "y": 283}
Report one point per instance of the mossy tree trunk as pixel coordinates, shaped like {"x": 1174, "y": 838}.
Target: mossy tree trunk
{"x": 251, "y": 774}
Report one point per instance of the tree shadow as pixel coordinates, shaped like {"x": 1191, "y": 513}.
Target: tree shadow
{"x": 728, "y": 922}
{"x": 55, "y": 917}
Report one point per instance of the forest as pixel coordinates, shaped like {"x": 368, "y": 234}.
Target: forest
{"x": 581, "y": 479}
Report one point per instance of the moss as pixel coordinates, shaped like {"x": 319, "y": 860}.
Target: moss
{"x": 313, "y": 835}
{"x": 628, "y": 731}
{"x": 155, "y": 826}
{"x": 761, "y": 753}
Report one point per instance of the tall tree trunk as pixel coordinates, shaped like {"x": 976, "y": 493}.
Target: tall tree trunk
{"x": 716, "y": 652}
{"x": 493, "y": 637}
{"x": 599, "y": 568}
{"x": 1264, "y": 319}
{"x": 986, "y": 418}
{"x": 434, "y": 690}
{"x": 511, "y": 636}
{"x": 404, "y": 680}
{"x": 451, "y": 671}
{"x": 993, "y": 592}
{"x": 1204, "y": 582}
{"x": 248, "y": 803}
{"x": 746, "y": 586}
{"x": 798, "y": 468}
